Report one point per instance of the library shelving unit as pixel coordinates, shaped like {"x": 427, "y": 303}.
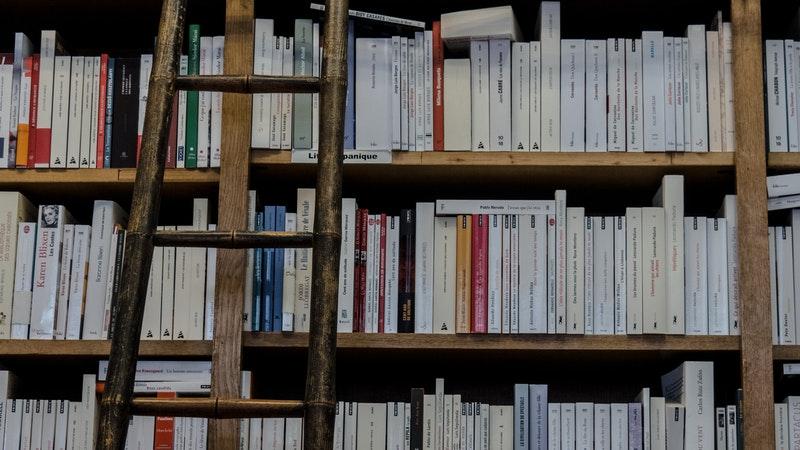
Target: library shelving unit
{"x": 377, "y": 367}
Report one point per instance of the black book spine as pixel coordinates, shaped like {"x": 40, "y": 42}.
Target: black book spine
{"x": 739, "y": 418}
{"x": 126, "y": 113}
{"x": 417, "y": 405}
{"x": 118, "y": 261}
{"x": 405, "y": 304}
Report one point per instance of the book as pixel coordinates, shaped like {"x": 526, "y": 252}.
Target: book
{"x": 192, "y": 98}
{"x": 616, "y": 90}
{"x": 457, "y": 105}
{"x": 76, "y": 92}
{"x": 520, "y": 79}
{"x": 423, "y": 268}
{"x": 692, "y": 383}
{"x": 302, "y": 129}
{"x": 51, "y": 220}
{"x": 456, "y": 207}
{"x": 461, "y": 27}
{"x": 654, "y": 297}
{"x": 596, "y": 96}
{"x": 548, "y": 32}
{"x": 573, "y": 95}
{"x": 696, "y": 292}
{"x": 653, "y": 74}
{"x": 535, "y": 126}
{"x": 633, "y": 96}
{"x": 575, "y": 273}
{"x": 670, "y": 197}
{"x": 698, "y": 100}
{"x": 373, "y": 94}
{"x": 60, "y": 111}
{"x": 126, "y": 104}
{"x": 479, "y": 94}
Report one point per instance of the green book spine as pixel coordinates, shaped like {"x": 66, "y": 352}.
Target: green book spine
{"x": 192, "y": 98}
{"x": 303, "y": 61}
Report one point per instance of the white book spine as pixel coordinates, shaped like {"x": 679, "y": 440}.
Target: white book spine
{"x": 396, "y": 82}
{"x": 423, "y": 279}
{"x": 495, "y": 270}
{"x": 561, "y": 261}
{"x": 670, "y": 196}
{"x": 773, "y": 287}
{"x": 535, "y": 84}
{"x": 75, "y": 111}
{"x": 520, "y": 78}
{"x": 729, "y": 142}
{"x": 278, "y": 42}
{"x": 584, "y": 426}
{"x": 86, "y": 112}
{"x": 412, "y": 94}
{"x": 457, "y": 104}
{"x": 92, "y": 150}
{"x": 428, "y": 75}
{"x": 419, "y": 67}
{"x": 596, "y": 96}
{"x": 654, "y": 290}
{"x": 23, "y": 280}
{"x": 65, "y": 270}
{"x": 785, "y": 285}
{"x": 573, "y": 95}
{"x": 211, "y": 289}
{"x": 619, "y": 426}
{"x": 247, "y": 319}
{"x": 795, "y": 258}
{"x": 616, "y": 90}
{"x": 182, "y": 320}
{"x": 479, "y": 79}
{"x": 444, "y": 272}
{"x": 588, "y": 270}
{"x": 370, "y": 312}
{"x": 536, "y": 284}
{"x": 60, "y": 436}
{"x": 262, "y": 65}
{"x": 204, "y": 104}
{"x": 696, "y": 258}
{"x": 145, "y": 67}
{"x": 373, "y": 94}
{"x": 316, "y": 54}
{"x": 346, "y": 267}
{"x": 500, "y": 96}
{"x": 286, "y": 99}
{"x": 669, "y": 94}
{"x": 514, "y": 281}
{"x": 217, "y": 68}
{"x": 678, "y": 93}
{"x": 77, "y": 280}
{"x": 303, "y": 261}
{"x": 713, "y": 90}
{"x": 568, "y": 424}
{"x": 687, "y": 104}
{"x": 551, "y": 273}
{"x": 50, "y": 48}
{"x": 151, "y": 321}
{"x": 289, "y": 278}
{"x": 782, "y": 426}
{"x": 603, "y": 275}
{"x": 575, "y": 274}
{"x": 554, "y": 426}
{"x": 653, "y": 90}
{"x": 718, "y": 277}
{"x": 60, "y": 111}
{"x": 633, "y": 100}
{"x": 729, "y": 211}
{"x": 168, "y": 292}
{"x": 50, "y": 233}
{"x": 549, "y": 22}
{"x": 620, "y": 276}
{"x": 698, "y": 98}
{"x": 404, "y": 93}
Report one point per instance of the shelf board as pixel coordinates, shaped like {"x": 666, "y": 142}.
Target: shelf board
{"x": 786, "y": 352}
{"x": 360, "y": 342}
{"x": 512, "y": 170}
{"x": 783, "y": 161}
{"x": 100, "y": 349}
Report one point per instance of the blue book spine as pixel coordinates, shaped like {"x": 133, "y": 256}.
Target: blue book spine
{"x": 277, "y": 298}
{"x": 350, "y": 98}
{"x": 267, "y": 288}
{"x": 109, "y": 114}
{"x": 257, "y": 256}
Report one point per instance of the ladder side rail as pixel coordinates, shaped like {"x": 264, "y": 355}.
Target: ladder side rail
{"x": 320, "y": 395}
{"x": 128, "y": 306}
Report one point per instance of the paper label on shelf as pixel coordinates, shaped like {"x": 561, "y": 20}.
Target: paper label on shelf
{"x": 350, "y": 156}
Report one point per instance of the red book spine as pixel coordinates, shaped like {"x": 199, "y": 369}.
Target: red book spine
{"x": 34, "y": 113}
{"x": 172, "y": 140}
{"x": 480, "y": 270}
{"x": 382, "y": 275}
{"x": 164, "y": 436}
{"x": 101, "y": 111}
{"x": 438, "y": 88}
{"x": 357, "y": 275}
{"x": 362, "y": 293}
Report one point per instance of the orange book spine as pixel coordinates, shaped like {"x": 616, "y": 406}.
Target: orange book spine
{"x": 165, "y": 427}
{"x": 463, "y": 273}
{"x": 23, "y": 128}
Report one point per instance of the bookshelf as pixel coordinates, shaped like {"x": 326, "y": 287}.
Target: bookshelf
{"x": 751, "y": 354}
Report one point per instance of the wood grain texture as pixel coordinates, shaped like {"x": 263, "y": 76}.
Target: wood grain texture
{"x": 234, "y": 183}
{"x": 233, "y": 239}
{"x": 219, "y": 408}
{"x": 783, "y": 161}
{"x": 100, "y": 349}
{"x": 751, "y": 187}
{"x": 786, "y": 352}
{"x": 249, "y": 84}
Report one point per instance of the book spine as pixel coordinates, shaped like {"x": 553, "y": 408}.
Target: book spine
{"x": 412, "y": 94}
{"x": 463, "y": 301}
{"x": 620, "y": 280}
{"x": 204, "y": 104}
{"x": 521, "y": 417}
{"x": 370, "y": 322}
{"x": 50, "y": 233}
{"x": 536, "y": 97}
{"x": 653, "y": 90}
{"x": 350, "y": 99}
{"x": 698, "y": 98}
{"x": 654, "y": 302}
{"x": 423, "y": 266}
{"x": 669, "y": 94}
{"x": 302, "y": 126}
{"x": 151, "y": 322}
{"x": 596, "y": 98}
{"x": 633, "y": 100}
{"x": 588, "y": 270}
{"x": 381, "y": 272}
{"x": 616, "y": 87}
{"x": 405, "y": 313}
{"x": 168, "y": 293}
{"x": 75, "y": 111}
{"x": 289, "y": 278}
{"x": 718, "y": 282}
{"x": 23, "y": 48}
{"x": 549, "y": 25}
{"x": 392, "y": 261}
{"x": 447, "y": 235}
{"x": 93, "y": 112}
{"x": 262, "y": 65}
{"x": 215, "y": 135}
{"x": 495, "y": 274}
{"x": 286, "y": 98}
{"x": 573, "y": 95}
{"x": 561, "y": 261}
{"x": 145, "y": 67}
{"x": 102, "y": 99}
{"x": 404, "y": 93}
{"x": 192, "y": 99}
{"x": 123, "y": 152}
{"x": 277, "y": 272}
{"x": 303, "y": 261}
{"x": 687, "y": 104}
{"x": 551, "y": 273}
{"x": 680, "y": 101}
{"x": 520, "y": 96}
{"x": 633, "y": 269}
{"x": 438, "y": 87}
{"x": 428, "y": 93}
{"x": 500, "y": 104}
{"x": 247, "y": 318}
{"x": 603, "y": 275}
{"x": 363, "y": 256}
{"x": 514, "y": 278}
{"x": 714, "y": 92}
{"x": 420, "y": 90}
{"x": 505, "y": 305}
{"x": 773, "y": 286}
{"x": 317, "y": 54}
{"x": 479, "y": 80}
{"x": 480, "y": 272}
{"x": 267, "y": 272}
{"x": 672, "y": 199}
{"x": 373, "y": 94}
{"x": 60, "y": 111}
{"x": 23, "y": 280}
{"x": 396, "y": 94}
{"x": 34, "y": 112}
{"x": 172, "y": 136}
{"x": 50, "y": 48}
{"x": 729, "y": 139}
{"x": 65, "y": 269}
{"x": 109, "y": 112}
{"x": 575, "y": 272}
{"x": 23, "y": 117}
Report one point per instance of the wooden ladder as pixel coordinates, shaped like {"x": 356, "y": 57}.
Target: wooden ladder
{"x": 319, "y": 404}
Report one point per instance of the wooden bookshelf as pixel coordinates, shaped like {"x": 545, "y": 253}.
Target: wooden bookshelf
{"x": 100, "y": 349}
{"x": 786, "y": 352}
{"x": 783, "y": 161}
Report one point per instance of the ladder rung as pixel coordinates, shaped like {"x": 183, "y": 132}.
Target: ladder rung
{"x": 216, "y": 408}
{"x": 233, "y": 239}
{"x": 247, "y": 84}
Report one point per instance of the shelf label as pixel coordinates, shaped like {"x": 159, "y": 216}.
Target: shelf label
{"x": 350, "y": 156}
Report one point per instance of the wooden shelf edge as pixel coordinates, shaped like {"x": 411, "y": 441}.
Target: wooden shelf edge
{"x": 100, "y": 349}
{"x": 785, "y": 352}
{"x": 470, "y": 342}
{"x": 17, "y": 177}
{"x": 262, "y": 157}
{"x": 783, "y": 161}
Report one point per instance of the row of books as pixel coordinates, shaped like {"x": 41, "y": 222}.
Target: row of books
{"x": 684, "y": 417}
{"x": 59, "y": 280}
{"x": 63, "y": 111}
{"x": 508, "y": 266}
{"x": 784, "y": 262}
{"x": 782, "y": 74}
{"x": 656, "y": 93}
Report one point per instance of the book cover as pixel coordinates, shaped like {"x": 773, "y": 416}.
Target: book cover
{"x": 192, "y": 97}
{"x": 500, "y": 94}
{"x": 126, "y": 117}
